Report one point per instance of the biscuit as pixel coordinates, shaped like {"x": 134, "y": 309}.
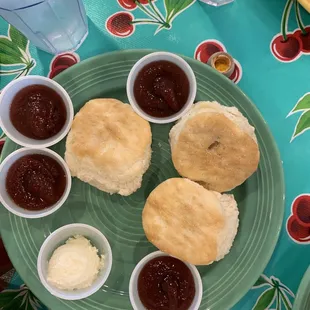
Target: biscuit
{"x": 215, "y": 146}
{"x": 109, "y": 146}
{"x": 183, "y": 219}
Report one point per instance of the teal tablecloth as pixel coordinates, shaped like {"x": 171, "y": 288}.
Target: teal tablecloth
{"x": 273, "y": 73}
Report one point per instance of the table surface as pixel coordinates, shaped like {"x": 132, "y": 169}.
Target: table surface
{"x": 275, "y": 75}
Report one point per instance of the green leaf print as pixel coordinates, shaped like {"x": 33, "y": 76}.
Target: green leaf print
{"x": 276, "y": 296}
{"x": 278, "y": 304}
{"x": 14, "y": 52}
{"x": 21, "y": 299}
{"x": 9, "y": 48}
{"x": 6, "y": 297}
{"x": 265, "y": 299}
{"x": 18, "y": 38}
{"x": 9, "y": 59}
{"x": 302, "y": 125}
{"x": 175, "y": 7}
{"x": 286, "y": 301}
{"x": 262, "y": 280}
{"x": 286, "y": 290}
{"x": 302, "y": 104}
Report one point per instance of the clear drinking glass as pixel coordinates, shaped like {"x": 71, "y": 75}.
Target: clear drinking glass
{"x": 217, "y": 2}
{"x": 54, "y": 26}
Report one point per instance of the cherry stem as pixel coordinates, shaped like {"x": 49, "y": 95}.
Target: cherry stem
{"x": 298, "y": 18}
{"x": 31, "y": 64}
{"x": 25, "y": 70}
{"x": 159, "y": 28}
{"x": 8, "y": 72}
{"x": 285, "y": 16}
{"x": 146, "y": 21}
{"x": 284, "y": 299}
{"x": 156, "y": 11}
{"x": 145, "y": 10}
{"x": 278, "y": 300}
{"x": 20, "y": 71}
{"x": 20, "y": 74}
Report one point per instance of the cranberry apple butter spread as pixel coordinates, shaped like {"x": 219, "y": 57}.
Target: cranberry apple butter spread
{"x": 35, "y": 182}
{"x": 38, "y": 112}
{"x": 166, "y": 283}
{"x": 161, "y": 88}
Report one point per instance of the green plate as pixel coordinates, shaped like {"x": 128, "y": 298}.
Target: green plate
{"x": 260, "y": 199}
{"x": 302, "y": 299}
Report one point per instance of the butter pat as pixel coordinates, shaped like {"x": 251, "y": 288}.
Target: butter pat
{"x": 74, "y": 265}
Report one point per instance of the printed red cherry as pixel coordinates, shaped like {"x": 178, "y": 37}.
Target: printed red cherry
{"x": 236, "y": 74}
{"x": 61, "y": 62}
{"x": 127, "y": 4}
{"x": 145, "y": 1}
{"x": 301, "y": 210}
{"x": 130, "y": 4}
{"x": 66, "y": 59}
{"x": 1, "y": 145}
{"x": 206, "y": 49}
{"x": 286, "y": 50}
{"x": 5, "y": 263}
{"x": 296, "y": 231}
{"x": 119, "y": 24}
{"x": 304, "y": 38}
{"x": 56, "y": 71}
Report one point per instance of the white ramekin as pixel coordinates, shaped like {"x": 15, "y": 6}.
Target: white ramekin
{"x": 58, "y": 238}
{"x": 157, "y": 56}
{"x": 133, "y": 284}
{"x": 6, "y": 200}
{"x": 6, "y": 97}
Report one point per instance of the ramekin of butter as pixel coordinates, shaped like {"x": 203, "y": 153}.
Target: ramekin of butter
{"x": 74, "y": 261}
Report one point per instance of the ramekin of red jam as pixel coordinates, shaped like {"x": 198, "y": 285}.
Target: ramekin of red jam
{"x": 162, "y": 282}
{"x": 161, "y": 87}
{"x": 34, "y": 182}
{"x": 35, "y": 111}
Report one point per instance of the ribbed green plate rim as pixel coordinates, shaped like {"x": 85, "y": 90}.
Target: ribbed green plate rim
{"x": 302, "y": 299}
{"x": 260, "y": 199}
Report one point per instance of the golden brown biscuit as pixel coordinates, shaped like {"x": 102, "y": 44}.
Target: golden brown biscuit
{"x": 184, "y": 219}
{"x": 214, "y": 147}
{"x": 109, "y": 146}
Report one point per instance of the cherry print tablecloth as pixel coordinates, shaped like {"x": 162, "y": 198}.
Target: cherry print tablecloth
{"x": 270, "y": 42}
